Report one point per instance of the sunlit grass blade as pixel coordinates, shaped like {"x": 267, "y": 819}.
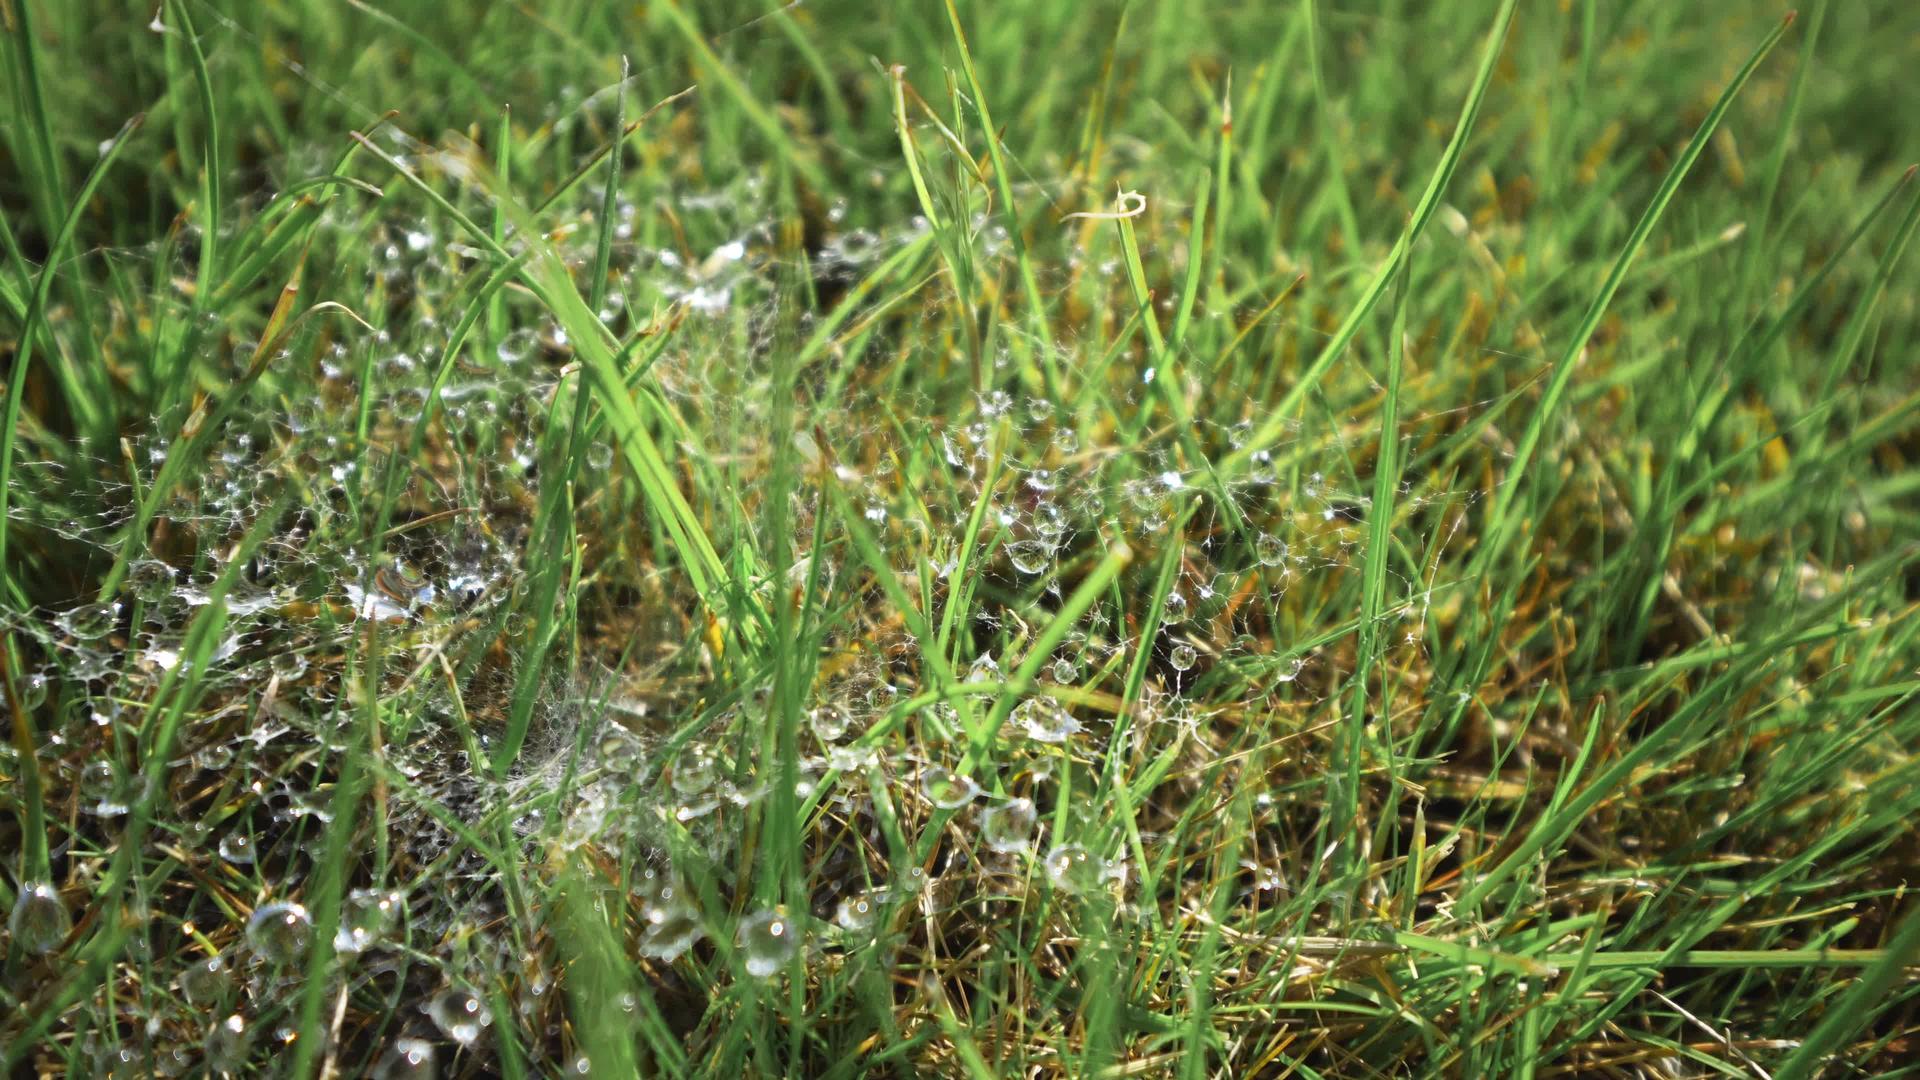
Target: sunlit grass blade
{"x": 1274, "y": 425}
{"x": 29, "y": 331}
{"x": 1501, "y": 514}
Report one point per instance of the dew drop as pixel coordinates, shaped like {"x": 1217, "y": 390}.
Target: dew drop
{"x": 1008, "y": 828}
{"x": 517, "y": 346}
{"x": 847, "y": 759}
{"x": 768, "y": 940}
{"x": 33, "y": 691}
{"x": 1176, "y": 607}
{"x": 946, "y": 789}
{"x": 1045, "y": 721}
{"x": 407, "y": 1059}
{"x": 39, "y": 922}
{"x": 1029, "y": 556}
{"x": 914, "y": 881}
{"x": 671, "y": 929}
{"x": 366, "y": 919}
{"x": 203, "y": 981}
{"x": 279, "y": 931}
{"x": 228, "y": 1044}
{"x": 172, "y": 1061}
{"x": 460, "y": 1014}
{"x": 693, "y": 771}
{"x": 151, "y": 580}
{"x": 1182, "y": 657}
{"x": 119, "y": 1062}
{"x": 100, "y": 783}
{"x": 856, "y": 913}
{"x": 90, "y": 622}
{"x": 1072, "y": 868}
{"x": 237, "y": 848}
{"x": 1271, "y": 550}
{"x": 829, "y": 722}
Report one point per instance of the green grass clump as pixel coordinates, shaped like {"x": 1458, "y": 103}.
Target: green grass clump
{"x": 1051, "y": 539}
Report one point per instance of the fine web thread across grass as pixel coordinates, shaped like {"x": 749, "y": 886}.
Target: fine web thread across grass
{"x": 699, "y": 540}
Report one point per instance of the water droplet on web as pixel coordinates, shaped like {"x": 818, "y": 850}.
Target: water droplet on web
{"x": 407, "y": 1059}
{"x": 848, "y": 759}
{"x": 1271, "y": 549}
{"x": 205, "y": 980}
{"x": 39, "y": 922}
{"x": 150, "y": 580}
{"x": 1072, "y": 868}
{"x": 90, "y": 622}
{"x": 829, "y": 722}
{"x": 228, "y": 1044}
{"x": 516, "y": 346}
{"x": 366, "y": 919}
{"x": 768, "y": 940}
{"x": 1176, "y": 607}
{"x": 1008, "y": 827}
{"x": 600, "y": 455}
{"x": 1029, "y": 556}
{"x": 1050, "y": 523}
{"x": 856, "y": 913}
{"x": 460, "y": 1014}
{"x": 857, "y": 246}
{"x": 33, "y": 691}
{"x": 694, "y": 771}
{"x": 100, "y": 783}
{"x": 279, "y": 931}
{"x": 671, "y": 929}
{"x": 173, "y": 1061}
{"x": 119, "y": 1062}
{"x": 1266, "y": 876}
{"x": 1182, "y": 657}
{"x": 1044, "y": 720}
{"x": 237, "y": 848}
{"x": 406, "y": 406}
{"x": 652, "y": 885}
{"x": 317, "y": 805}
{"x": 913, "y": 880}
{"x": 947, "y": 789}
{"x": 1065, "y": 670}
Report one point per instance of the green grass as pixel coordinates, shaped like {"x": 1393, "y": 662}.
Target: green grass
{"x": 1026, "y": 540}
